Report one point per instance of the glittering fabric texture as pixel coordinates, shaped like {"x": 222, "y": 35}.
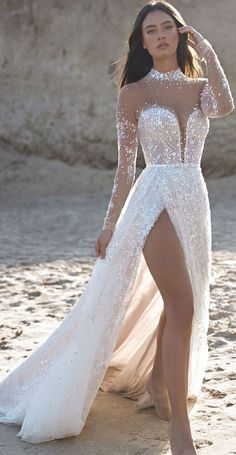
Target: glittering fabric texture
{"x": 114, "y": 321}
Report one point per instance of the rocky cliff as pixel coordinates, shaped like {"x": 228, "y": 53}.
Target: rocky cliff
{"x": 57, "y": 95}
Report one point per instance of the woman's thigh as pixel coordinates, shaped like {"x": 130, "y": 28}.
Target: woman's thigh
{"x": 166, "y": 261}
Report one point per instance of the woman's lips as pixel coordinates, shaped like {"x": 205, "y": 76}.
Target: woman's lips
{"x": 162, "y": 46}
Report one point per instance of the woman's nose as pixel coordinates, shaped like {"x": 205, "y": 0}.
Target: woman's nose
{"x": 160, "y": 35}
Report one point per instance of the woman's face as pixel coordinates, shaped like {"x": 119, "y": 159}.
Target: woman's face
{"x": 160, "y": 34}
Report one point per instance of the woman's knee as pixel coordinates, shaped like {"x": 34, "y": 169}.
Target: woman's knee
{"x": 180, "y": 312}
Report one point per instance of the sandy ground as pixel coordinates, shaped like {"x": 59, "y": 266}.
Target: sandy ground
{"x": 51, "y": 215}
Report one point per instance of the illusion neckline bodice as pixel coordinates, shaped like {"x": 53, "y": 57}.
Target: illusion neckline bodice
{"x": 182, "y": 124}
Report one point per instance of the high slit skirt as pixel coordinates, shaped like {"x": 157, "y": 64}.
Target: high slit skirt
{"x": 108, "y": 339}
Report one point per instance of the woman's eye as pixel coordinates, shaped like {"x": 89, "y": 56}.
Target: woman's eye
{"x": 167, "y": 27}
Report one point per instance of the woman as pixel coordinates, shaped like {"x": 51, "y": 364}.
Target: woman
{"x": 144, "y": 313}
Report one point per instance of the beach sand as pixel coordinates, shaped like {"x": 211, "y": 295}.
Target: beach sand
{"x": 51, "y": 215}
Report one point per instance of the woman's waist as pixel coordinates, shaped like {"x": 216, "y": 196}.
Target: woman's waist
{"x": 175, "y": 172}
{"x": 181, "y": 165}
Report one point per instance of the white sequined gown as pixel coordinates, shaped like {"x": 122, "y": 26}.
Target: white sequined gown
{"x": 114, "y": 322}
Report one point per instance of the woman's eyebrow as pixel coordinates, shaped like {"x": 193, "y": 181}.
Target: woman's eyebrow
{"x": 154, "y": 25}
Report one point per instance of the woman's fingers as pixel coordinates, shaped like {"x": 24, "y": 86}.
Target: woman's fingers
{"x": 102, "y": 243}
{"x": 102, "y": 250}
{"x": 97, "y": 247}
{"x": 193, "y": 34}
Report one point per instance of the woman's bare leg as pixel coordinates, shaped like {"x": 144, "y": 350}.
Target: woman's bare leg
{"x": 165, "y": 259}
{"x": 156, "y": 385}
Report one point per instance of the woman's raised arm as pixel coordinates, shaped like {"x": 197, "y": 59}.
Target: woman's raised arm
{"x": 216, "y": 96}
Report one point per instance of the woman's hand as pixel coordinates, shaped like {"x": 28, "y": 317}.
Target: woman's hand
{"x": 102, "y": 242}
{"x": 194, "y": 39}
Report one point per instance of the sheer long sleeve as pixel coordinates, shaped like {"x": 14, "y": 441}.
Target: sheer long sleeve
{"x": 216, "y": 97}
{"x": 127, "y": 142}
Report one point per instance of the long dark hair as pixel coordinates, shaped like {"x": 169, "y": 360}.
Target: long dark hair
{"x": 138, "y": 62}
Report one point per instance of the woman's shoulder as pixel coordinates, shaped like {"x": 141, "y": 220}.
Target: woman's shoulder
{"x": 128, "y": 89}
{"x": 128, "y": 93}
{"x": 197, "y": 83}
